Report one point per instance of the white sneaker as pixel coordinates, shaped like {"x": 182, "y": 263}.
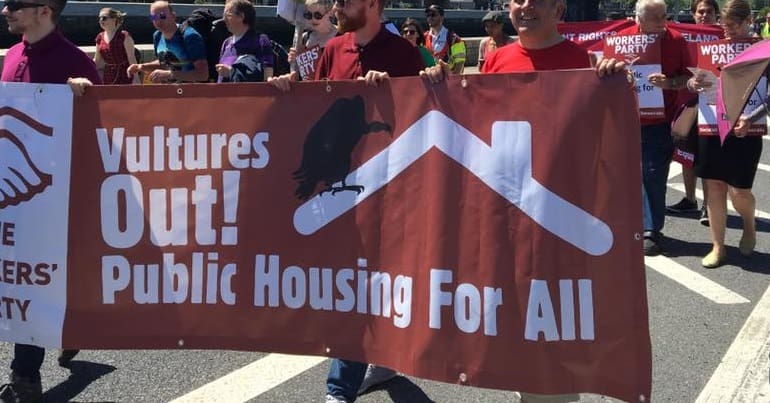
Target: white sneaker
{"x": 375, "y": 376}
{"x": 335, "y": 399}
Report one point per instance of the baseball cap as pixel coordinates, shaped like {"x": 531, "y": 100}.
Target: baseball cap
{"x": 494, "y": 16}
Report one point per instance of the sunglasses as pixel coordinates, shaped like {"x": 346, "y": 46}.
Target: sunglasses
{"x": 409, "y": 32}
{"x": 13, "y": 5}
{"x": 316, "y": 15}
{"x": 156, "y": 17}
{"x": 104, "y": 17}
{"x": 427, "y": 15}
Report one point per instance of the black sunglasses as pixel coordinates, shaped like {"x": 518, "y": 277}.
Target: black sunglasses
{"x": 104, "y": 17}
{"x": 431, "y": 15}
{"x": 316, "y": 15}
{"x": 409, "y": 32}
{"x": 13, "y": 5}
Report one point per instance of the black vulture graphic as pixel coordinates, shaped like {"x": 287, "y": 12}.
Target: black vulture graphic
{"x": 329, "y": 144}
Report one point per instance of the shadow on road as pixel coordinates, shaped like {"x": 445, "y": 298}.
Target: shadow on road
{"x": 402, "y": 390}
{"x": 82, "y": 374}
{"x": 757, "y": 262}
{"x": 673, "y": 247}
{"x": 735, "y": 222}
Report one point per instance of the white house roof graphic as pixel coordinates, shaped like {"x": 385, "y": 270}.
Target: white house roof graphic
{"x": 506, "y": 167}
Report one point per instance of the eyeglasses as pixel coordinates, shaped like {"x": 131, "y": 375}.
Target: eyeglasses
{"x": 13, "y": 5}
{"x": 316, "y": 15}
{"x": 409, "y": 32}
{"x": 159, "y": 16}
{"x": 104, "y": 17}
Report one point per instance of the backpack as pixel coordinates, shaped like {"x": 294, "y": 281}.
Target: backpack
{"x": 281, "y": 59}
{"x": 202, "y": 21}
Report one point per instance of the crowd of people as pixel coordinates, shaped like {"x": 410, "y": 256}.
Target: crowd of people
{"x": 361, "y": 46}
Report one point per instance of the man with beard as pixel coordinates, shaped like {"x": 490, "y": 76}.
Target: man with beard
{"x": 43, "y": 56}
{"x": 445, "y": 45}
{"x": 367, "y": 51}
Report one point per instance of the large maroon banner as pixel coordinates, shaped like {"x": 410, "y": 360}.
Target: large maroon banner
{"x": 444, "y": 231}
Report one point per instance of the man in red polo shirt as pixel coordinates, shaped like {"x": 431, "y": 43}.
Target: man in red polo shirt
{"x": 43, "y": 56}
{"x": 657, "y": 145}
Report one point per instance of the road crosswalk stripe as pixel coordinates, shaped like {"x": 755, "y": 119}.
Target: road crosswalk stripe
{"x": 693, "y": 280}
{"x": 760, "y": 215}
{"x": 252, "y": 380}
{"x": 674, "y": 170}
{"x": 764, "y": 167}
{"x": 742, "y": 375}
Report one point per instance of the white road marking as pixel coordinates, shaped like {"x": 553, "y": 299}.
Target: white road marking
{"x": 763, "y": 167}
{"x": 693, "y": 280}
{"x": 742, "y": 376}
{"x": 699, "y": 194}
{"x": 674, "y": 170}
{"x": 252, "y": 380}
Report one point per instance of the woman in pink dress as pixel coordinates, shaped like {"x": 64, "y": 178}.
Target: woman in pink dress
{"x": 114, "y": 48}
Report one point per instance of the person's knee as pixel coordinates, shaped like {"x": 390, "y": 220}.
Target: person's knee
{"x": 741, "y": 194}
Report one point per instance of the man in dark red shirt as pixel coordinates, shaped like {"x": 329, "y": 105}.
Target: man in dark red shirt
{"x": 43, "y": 56}
{"x": 657, "y": 145}
{"x": 365, "y": 49}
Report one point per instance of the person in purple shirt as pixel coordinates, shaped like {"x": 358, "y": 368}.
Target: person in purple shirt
{"x": 43, "y": 56}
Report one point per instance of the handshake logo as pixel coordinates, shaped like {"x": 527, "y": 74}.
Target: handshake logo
{"x": 22, "y": 145}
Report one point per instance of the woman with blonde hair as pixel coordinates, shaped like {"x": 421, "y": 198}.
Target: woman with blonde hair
{"x": 320, "y": 30}
{"x": 114, "y": 48}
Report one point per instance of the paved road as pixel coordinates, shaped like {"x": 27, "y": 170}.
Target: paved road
{"x": 697, "y": 319}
